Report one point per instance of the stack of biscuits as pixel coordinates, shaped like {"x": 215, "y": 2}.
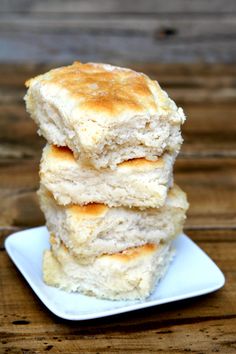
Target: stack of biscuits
{"x": 106, "y": 178}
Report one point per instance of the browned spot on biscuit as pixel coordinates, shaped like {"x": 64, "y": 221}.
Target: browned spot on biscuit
{"x": 134, "y": 252}
{"x": 97, "y": 88}
{"x": 142, "y": 162}
{"x": 89, "y": 210}
{"x": 61, "y": 152}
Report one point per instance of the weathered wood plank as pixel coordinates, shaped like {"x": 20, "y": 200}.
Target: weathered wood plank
{"x": 26, "y": 323}
{"x": 19, "y": 207}
{"x": 46, "y": 39}
{"x": 206, "y": 337}
{"x": 18, "y": 133}
{"x": 16, "y": 125}
{"x": 184, "y": 26}
{"x": 210, "y": 185}
{"x": 198, "y": 75}
{"x": 212, "y": 235}
{"x": 106, "y": 48}
{"x": 121, "y": 6}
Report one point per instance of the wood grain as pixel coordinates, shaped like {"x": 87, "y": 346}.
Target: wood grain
{"x": 121, "y": 6}
{"x": 66, "y": 48}
{"x": 117, "y": 38}
{"x": 187, "y": 27}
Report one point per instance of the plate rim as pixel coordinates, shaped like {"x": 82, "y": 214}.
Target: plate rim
{"x": 110, "y": 312}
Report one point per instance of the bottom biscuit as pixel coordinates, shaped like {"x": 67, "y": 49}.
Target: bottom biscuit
{"x": 131, "y": 274}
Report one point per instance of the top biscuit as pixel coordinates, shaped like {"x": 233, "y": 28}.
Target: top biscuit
{"x": 104, "y": 114}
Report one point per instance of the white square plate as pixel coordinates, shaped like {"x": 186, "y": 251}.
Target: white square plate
{"x": 192, "y": 273}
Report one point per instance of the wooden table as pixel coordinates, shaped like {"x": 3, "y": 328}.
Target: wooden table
{"x": 205, "y": 169}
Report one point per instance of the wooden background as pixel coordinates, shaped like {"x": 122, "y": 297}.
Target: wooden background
{"x": 189, "y": 47}
{"x": 120, "y": 31}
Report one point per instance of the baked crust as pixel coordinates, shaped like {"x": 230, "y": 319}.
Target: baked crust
{"x": 105, "y": 114}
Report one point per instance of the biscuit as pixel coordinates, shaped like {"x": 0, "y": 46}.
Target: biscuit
{"x": 104, "y": 114}
{"x": 135, "y": 183}
{"x": 131, "y": 274}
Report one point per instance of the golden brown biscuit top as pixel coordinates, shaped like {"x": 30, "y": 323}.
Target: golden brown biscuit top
{"x": 133, "y": 253}
{"x": 141, "y": 162}
{"x": 61, "y": 152}
{"x": 88, "y": 211}
{"x": 103, "y": 88}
